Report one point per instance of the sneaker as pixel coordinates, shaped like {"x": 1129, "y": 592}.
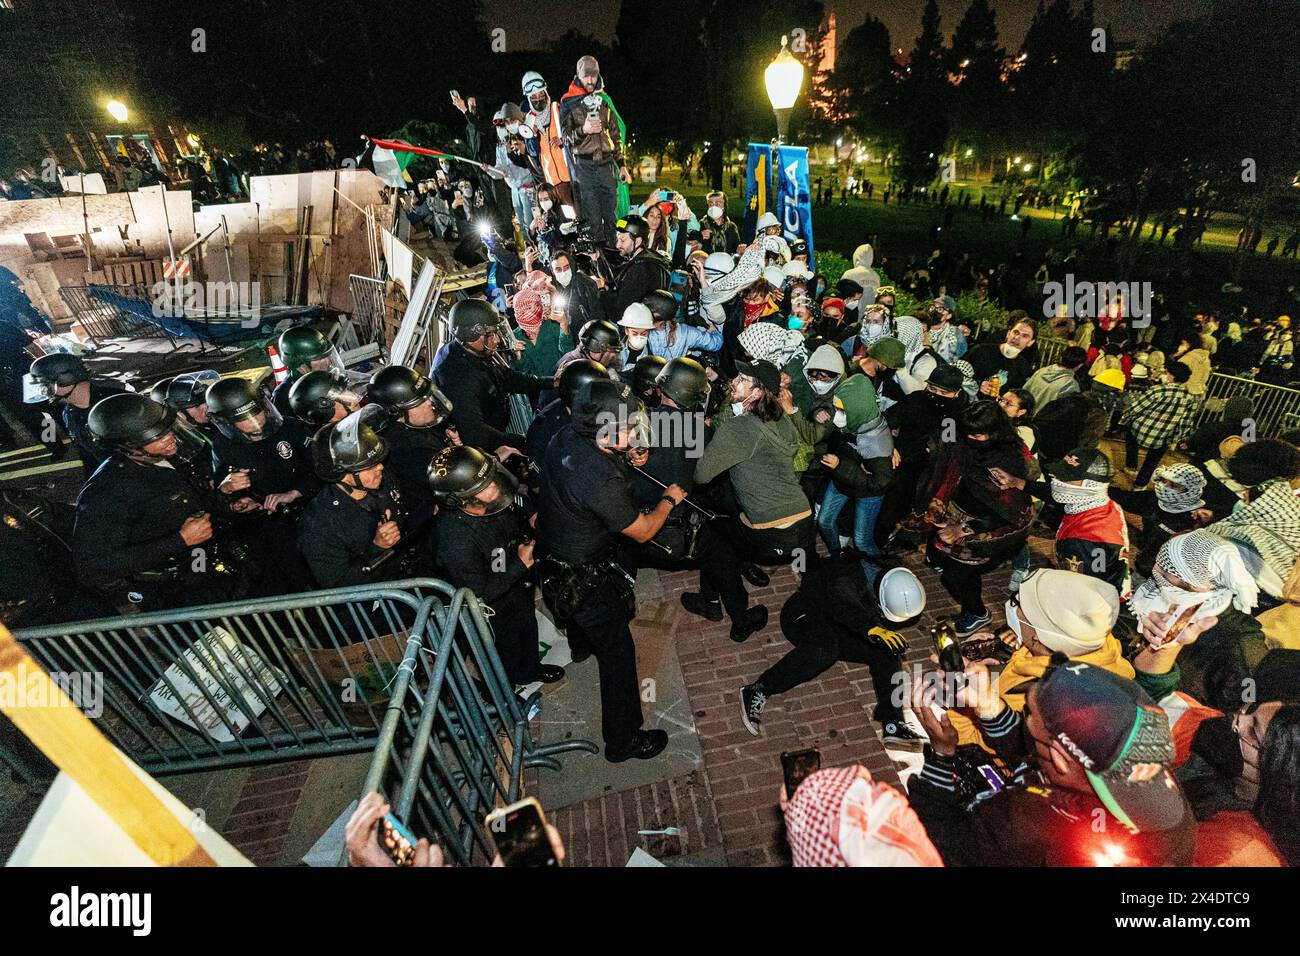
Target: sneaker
{"x": 754, "y": 620}
{"x": 1018, "y": 577}
{"x": 967, "y": 624}
{"x": 752, "y": 701}
{"x": 899, "y": 736}
{"x": 697, "y": 604}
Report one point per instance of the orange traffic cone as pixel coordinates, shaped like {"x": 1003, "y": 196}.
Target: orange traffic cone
{"x": 278, "y": 368}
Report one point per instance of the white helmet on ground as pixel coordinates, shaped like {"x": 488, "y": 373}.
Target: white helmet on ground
{"x": 901, "y": 595}
{"x": 637, "y": 316}
{"x": 718, "y": 264}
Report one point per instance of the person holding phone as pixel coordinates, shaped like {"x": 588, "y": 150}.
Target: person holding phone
{"x": 593, "y": 131}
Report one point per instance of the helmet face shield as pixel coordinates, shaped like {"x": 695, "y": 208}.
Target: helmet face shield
{"x": 180, "y": 440}
{"x": 498, "y": 493}
{"x": 37, "y": 390}
{"x": 251, "y": 422}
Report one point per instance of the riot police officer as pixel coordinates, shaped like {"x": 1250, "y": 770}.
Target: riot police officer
{"x": 641, "y": 270}
{"x": 486, "y": 545}
{"x": 644, "y": 373}
{"x": 598, "y": 341}
{"x": 64, "y": 380}
{"x": 303, "y": 350}
{"x": 359, "y": 514}
{"x": 143, "y": 532}
{"x": 325, "y": 395}
{"x": 586, "y": 510}
{"x": 477, "y": 378}
{"x": 555, "y": 415}
{"x": 188, "y": 394}
{"x": 419, "y": 427}
{"x": 264, "y": 473}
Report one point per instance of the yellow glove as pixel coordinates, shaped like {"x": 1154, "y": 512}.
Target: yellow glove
{"x": 891, "y": 640}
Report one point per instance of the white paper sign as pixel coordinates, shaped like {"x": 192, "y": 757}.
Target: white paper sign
{"x": 218, "y": 661}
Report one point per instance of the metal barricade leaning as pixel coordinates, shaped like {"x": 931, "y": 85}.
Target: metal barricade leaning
{"x": 246, "y": 682}
{"x": 453, "y": 750}
{"x": 104, "y": 320}
{"x": 1276, "y": 407}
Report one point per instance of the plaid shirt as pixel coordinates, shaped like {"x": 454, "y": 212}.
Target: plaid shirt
{"x": 1161, "y": 416}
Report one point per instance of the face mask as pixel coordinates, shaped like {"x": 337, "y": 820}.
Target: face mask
{"x": 737, "y": 408}
{"x": 714, "y": 213}
{"x": 564, "y": 278}
{"x": 636, "y": 342}
{"x": 840, "y": 419}
{"x": 939, "y": 401}
{"x": 821, "y": 388}
{"x": 546, "y": 205}
{"x": 794, "y": 323}
{"x": 1009, "y": 350}
{"x": 466, "y": 192}
{"x": 1079, "y": 498}
{"x": 512, "y": 128}
{"x": 1013, "y": 622}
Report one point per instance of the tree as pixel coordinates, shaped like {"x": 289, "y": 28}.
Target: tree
{"x": 853, "y": 95}
{"x": 975, "y": 63}
{"x": 921, "y": 106}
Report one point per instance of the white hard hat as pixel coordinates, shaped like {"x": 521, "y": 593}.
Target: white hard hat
{"x": 637, "y": 316}
{"x": 901, "y": 595}
{"x": 774, "y": 275}
{"x": 796, "y": 269}
{"x": 1138, "y": 371}
{"x": 766, "y": 220}
{"x": 719, "y": 264}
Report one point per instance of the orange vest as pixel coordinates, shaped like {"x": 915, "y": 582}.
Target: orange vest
{"x": 550, "y": 148}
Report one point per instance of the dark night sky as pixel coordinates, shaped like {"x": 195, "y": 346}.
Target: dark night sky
{"x": 1131, "y": 20}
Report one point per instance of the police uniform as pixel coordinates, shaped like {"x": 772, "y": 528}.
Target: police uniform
{"x": 336, "y": 534}
{"x": 74, "y": 422}
{"x": 479, "y": 552}
{"x": 479, "y": 389}
{"x": 126, "y": 538}
{"x": 409, "y": 452}
{"x": 545, "y": 426}
{"x": 585, "y": 505}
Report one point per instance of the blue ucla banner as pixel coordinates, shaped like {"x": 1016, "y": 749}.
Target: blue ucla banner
{"x": 758, "y": 188}
{"x": 793, "y": 201}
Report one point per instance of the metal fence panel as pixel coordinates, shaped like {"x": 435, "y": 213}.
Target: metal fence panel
{"x": 1276, "y": 408}
{"x": 104, "y": 320}
{"x": 367, "y": 308}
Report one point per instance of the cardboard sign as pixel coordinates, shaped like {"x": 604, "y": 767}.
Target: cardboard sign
{"x": 219, "y": 662}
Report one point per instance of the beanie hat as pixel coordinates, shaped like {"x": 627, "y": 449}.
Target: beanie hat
{"x": 1071, "y": 613}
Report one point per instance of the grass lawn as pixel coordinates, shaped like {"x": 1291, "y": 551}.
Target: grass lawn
{"x": 903, "y": 231}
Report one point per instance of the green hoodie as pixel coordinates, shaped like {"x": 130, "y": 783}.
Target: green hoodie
{"x": 859, "y": 397}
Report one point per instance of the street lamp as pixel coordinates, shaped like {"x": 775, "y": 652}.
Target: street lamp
{"x": 784, "y": 78}
{"x": 117, "y": 110}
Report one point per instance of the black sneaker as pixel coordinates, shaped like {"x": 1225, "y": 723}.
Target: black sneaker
{"x": 550, "y": 674}
{"x": 899, "y": 736}
{"x": 643, "y": 745}
{"x": 968, "y": 624}
{"x": 752, "y": 701}
{"x": 754, "y": 620}
{"x": 696, "y": 603}
{"x": 755, "y": 575}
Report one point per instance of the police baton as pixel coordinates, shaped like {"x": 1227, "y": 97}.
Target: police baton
{"x": 704, "y": 512}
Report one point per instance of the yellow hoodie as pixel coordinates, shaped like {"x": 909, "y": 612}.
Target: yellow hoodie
{"x": 1024, "y": 667}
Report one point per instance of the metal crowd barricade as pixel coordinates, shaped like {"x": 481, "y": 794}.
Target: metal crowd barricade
{"x": 368, "y": 308}
{"x": 451, "y": 751}
{"x": 1050, "y": 350}
{"x": 1276, "y": 407}
{"x": 105, "y": 320}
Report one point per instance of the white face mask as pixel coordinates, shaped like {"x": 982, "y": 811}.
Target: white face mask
{"x": 840, "y": 418}
{"x": 714, "y": 213}
{"x": 564, "y": 277}
{"x": 1009, "y": 350}
{"x": 1013, "y": 622}
{"x": 546, "y": 205}
{"x": 512, "y": 128}
{"x": 737, "y": 408}
{"x": 637, "y": 342}
{"x": 821, "y": 388}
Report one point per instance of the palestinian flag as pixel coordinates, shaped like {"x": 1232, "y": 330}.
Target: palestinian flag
{"x": 390, "y": 157}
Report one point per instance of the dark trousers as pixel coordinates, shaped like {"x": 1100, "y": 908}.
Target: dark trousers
{"x": 595, "y": 186}
{"x": 600, "y": 623}
{"x": 771, "y": 545}
{"x": 514, "y": 628}
{"x": 962, "y": 581}
{"x": 718, "y": 562}
{"x": 899, "y": 499}
{"x": 1149, "y": 464}
{"x": 818, "y": 645}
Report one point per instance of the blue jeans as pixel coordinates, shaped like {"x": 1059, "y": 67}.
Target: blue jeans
{"x": 866, "y": 511}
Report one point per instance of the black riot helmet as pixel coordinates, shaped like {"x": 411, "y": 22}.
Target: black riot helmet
{"x": 610, "y": 413}
{"x": 158, "y": 392}
{"x": 190, "y": 389}
{"x": 302, "y": 346}
{"x": 471, "y": 319}
{"x": 314, "y": 397}
{"x": 128, "y": 421}
{"x": 662, "y": 304}
{"x": 462, "y": 475}
{"x": 577, "y": 374}
{"x": 600, "y": 336}
{"x": 50, "y": 372}
{"x": 347, "y": 447}
{"x": 684, "y": 381}
{"x": 644, "y": 374}
{"x": 397, "y": 389}
{"x": 242, "y": 411}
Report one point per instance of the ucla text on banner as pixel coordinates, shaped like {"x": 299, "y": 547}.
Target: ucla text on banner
{"x": 793, "y": 201}
{"x": 758, "y": 178}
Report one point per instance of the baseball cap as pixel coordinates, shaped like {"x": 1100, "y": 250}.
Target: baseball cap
{"x": 890, "y": 353}
{"x": 1082, "y": 463}
{"x": 945, "y": 377}
{"x": 946, "y": 302}
{"x": 1121, "y": 737}
{"x": 767, "y": 374}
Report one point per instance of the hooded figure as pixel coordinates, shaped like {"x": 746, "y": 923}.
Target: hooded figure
{"x": 862, "y": 273}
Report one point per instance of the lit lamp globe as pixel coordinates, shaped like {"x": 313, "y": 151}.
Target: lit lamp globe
{"x": 784, "y": 79}
{"x": 117, "y": 110}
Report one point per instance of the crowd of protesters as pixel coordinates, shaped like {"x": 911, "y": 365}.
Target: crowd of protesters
{"x": 648, "y": 387}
